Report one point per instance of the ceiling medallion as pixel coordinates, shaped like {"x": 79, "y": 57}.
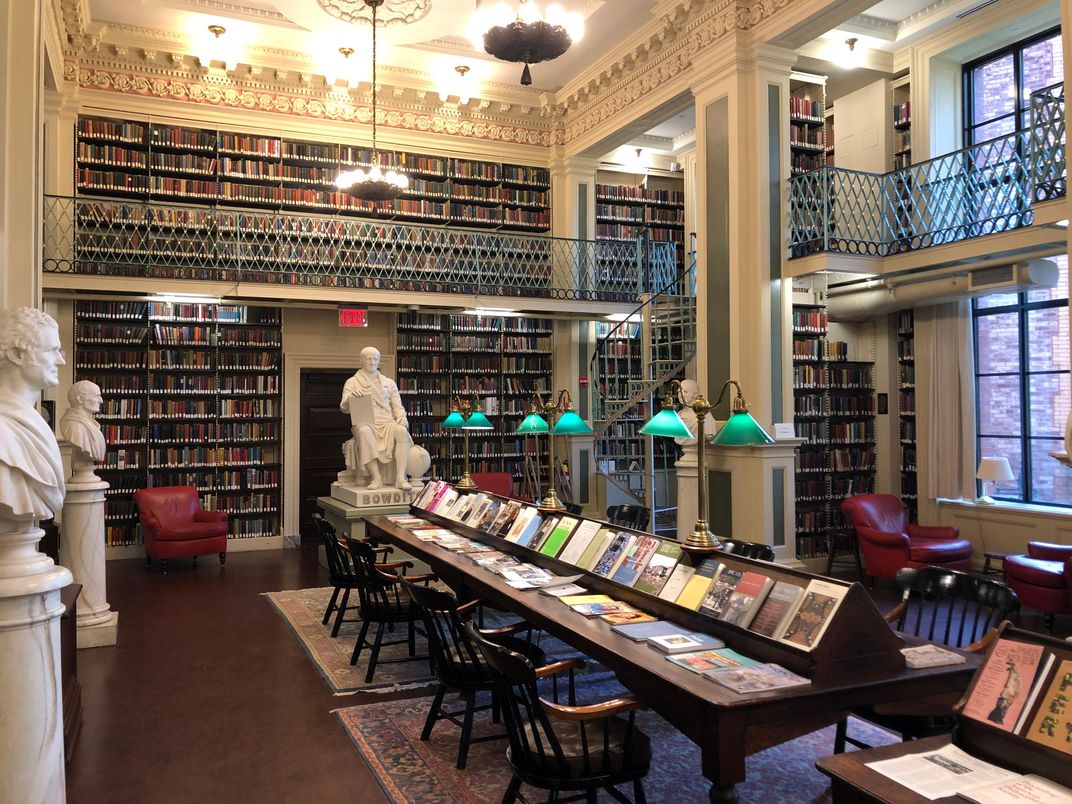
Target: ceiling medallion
{"x": 393, "y": 12}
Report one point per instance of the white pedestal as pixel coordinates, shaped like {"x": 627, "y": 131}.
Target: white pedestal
{"x": 359, "y": 497}
{"x": 31, "y": 728}
{"x": 685, "y": 471}
{"x": 82, "y": 551}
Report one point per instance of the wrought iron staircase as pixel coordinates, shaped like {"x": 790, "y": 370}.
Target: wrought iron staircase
{"x": 632, "y": 361}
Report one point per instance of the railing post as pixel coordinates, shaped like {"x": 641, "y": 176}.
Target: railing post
{"x": 826, "y": 208}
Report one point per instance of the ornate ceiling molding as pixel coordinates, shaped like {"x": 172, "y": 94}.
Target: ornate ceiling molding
{"x": 235, "y": 10}
{"x": 392, "y": 12}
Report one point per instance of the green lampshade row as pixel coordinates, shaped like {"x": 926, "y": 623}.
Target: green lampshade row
{"x": 453, "y": 421}
{"x": 569, "y": 423}
{"x": 741, "y": 430}
{"x": 477, "y": 421}
{"x": 533, "y": 423}
{"x": 667, "y": 423}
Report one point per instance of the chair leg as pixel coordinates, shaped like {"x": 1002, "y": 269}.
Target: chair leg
{"x": 433, "y": 713}
{"x": 412, "y": 636}
{"x": 839, "y": 735}
{"x": 223, "y": 559}
{"x": 496, "y": 714}
{"x": 148, "y": 562}
{"x": 639, "y": 796}
{"x": 195, "y": 561}
{"x": 510, "y": 796}
{"x": 375, "y": 657}
{"x": 859, "y": 562}
{"x": 591, "y": 796}
{"x": 1048, "y": 620}
{"x": 360, "y": 644}
{"x": 467, "y": 730}
{"x": 331, "y": 606}
{"x": 341, "y": 612}
{"x": 163, "y": 564}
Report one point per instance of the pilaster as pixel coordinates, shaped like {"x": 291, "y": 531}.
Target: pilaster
{"x": 573, "y": 195}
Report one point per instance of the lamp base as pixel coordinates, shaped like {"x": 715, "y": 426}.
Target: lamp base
{"x": 701, "y": 540}
{"x": 466, "y": 483}
{"x": 550, "y": 502}
{"x": 985, "y": 500}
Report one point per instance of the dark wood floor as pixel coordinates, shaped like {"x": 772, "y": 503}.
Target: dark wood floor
{"x": 208, "y": 697}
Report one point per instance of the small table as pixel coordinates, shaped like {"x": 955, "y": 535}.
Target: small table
{"x": 852, "y": 782}
{"x": 1000, "y": 555}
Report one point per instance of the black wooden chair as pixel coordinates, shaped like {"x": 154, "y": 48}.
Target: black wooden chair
{"x": 763, "y": 552}
{"x": 458, "y": 664}
{"x": 562, "y": 748}
{"x": 629, "y": 516}
{"x": 948, "y": 607}
{"x": 383, "y": 601}
{"x": 340, "y": 571}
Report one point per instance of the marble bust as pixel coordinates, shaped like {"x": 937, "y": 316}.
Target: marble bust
{"x": 81, "y": 431}
{"x": 690, "y": 389}
{"x": 384, "y": 437}
{"x": 31, "y": 472}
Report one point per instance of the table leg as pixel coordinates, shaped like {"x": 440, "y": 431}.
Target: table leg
{"x": 724, "y": 795}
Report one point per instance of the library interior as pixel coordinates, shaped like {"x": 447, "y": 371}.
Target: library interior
{"x": 497, "y": 400}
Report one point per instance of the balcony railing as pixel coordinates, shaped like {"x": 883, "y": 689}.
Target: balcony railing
{"x": 986, "y": 188}
{"x": 119, "y": 238}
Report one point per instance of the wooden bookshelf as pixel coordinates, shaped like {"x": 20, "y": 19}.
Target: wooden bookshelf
{"x": 653, "y": 214}
{"x": 906, "y": 411}
{"x": 807, "y": 123}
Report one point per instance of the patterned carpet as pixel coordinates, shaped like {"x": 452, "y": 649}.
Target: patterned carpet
{"x": 387, "y": 735}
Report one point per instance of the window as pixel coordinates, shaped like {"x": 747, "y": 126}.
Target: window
{"x": 1023, "y": 390}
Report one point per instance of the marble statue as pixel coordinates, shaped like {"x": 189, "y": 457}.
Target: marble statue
{"x": 690, "y": 389}
{"x": 386, "y": 437}
{"x": 80, "y": 429}
{"x": 31, "y": 471}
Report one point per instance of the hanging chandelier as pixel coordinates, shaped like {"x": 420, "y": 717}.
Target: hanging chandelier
{"x": 373, "y": 184}
{"x": 525, "y": 35}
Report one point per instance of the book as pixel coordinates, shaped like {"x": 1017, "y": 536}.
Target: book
{"x": 929, "y": 656}
{"x": 808, "y": 623}
{"x": 446, "y": 502}
{"x": 636, "y": 559}
{"x": 568, "y": 590}
{"x": 1002, "y": 683}
{"x": 576, "y": 600}
{"x": 1052, "y": 724}
{"x": 760, "y": 678}
{"x": 704, "y": 661}
{"x": 639, "y": 632}
{"x": 445, "y": 491}
{"x": 1029, "y": 789}
{"x": 1042, "y": 675}
{"x": 579, "y": 541}
{"x": 746, "y": 599}
{"x": 689, "y": 641}
{"x": 614, "y": 555}
{"x": 460, "y": 509}
{"x": 773, "y": 615}
{"x": 717, "y": 600}
{"x": 556, "y": 539}
{"x": 659, "y": 568}
{"x": 596, "y": 549}
{"x": 521, "y": 521}
{"x": 695, "y": 589}
{"x": 429, "y": 493}
{"x": 599, "y": 609}
{"x": 491, "y": 513}
{"x": 476, "y": 511}
{"x": 507, "y": 514}
{"x": 676, "y": 582}
{"x": 543, "y": 532}
{"x": 623, "y": 617}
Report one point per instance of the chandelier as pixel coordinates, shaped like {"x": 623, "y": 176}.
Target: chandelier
{"x": 526, "y": 35}
{"x": 373, "y": 184}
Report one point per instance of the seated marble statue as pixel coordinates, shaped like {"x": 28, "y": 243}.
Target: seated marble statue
{"x": 386, "y": 438}
{"x": 31, "y": 472}
{"x": 81, "y": 431}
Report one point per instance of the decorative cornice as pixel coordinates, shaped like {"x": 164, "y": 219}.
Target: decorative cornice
{"x": 392, "y": 12}
{"x": 235, "y": 11}
{"x": 871, "y": 26}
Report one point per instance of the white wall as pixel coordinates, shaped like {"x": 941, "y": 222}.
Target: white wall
{"x": 862, "y": 128}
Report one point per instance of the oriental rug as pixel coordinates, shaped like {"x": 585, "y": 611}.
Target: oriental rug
{"x": 387, "y": 735}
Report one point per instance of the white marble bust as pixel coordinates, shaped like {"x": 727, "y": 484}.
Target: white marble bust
{"x": 82, "y": 432}
{"x": 690, "y": 389}
{"x": 385, "y": 437}
{"x": 31, "y": 472}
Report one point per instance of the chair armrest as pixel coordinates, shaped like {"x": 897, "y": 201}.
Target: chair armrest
{"x": 395, "y": 565}
{"x": 504, "y": 630}
{"x": 150, "y": 522}
{"x": 1049, "y": 552}
{"x": 597, "y": 711}
{"x": 932, "y": 531}
{"x": 895, "y": 613}
{"x": 983, "y": 642}
{"x": 425, "y": 579}
{"x": 465, "y": 608}
{"x": 210, "y": 516}
{"x": 558, "y": 667}
{"x": 882, "y": 538}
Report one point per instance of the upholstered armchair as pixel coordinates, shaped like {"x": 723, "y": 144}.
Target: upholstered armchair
{"x": 174, "y": 525}
{"x": 1043, "y": 578}
{"x": 888, "y": 541}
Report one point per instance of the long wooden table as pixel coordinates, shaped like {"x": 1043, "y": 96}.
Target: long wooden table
{"x": 726, "y": 726}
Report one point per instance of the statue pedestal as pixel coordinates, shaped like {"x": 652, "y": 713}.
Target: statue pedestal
{"x": 348, "y": 506}
{"x": 352, "y": 494}
{"x": 685, "y": 472}
{"x": 31, "y": 730}
{"x": 82, "y": 551}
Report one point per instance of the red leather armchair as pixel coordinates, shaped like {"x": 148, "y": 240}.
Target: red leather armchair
{"x": 889, "y": 541}
{"x": 174, "y": 525}
{"x": 1042, "y": 579}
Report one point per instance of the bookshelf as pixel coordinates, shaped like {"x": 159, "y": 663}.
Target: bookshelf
{"x": 902, "y": 123}
{"x": 621, "y": 447}
{"x": 653, "y": 211}
{"x": 834, "y": 412}
{"x": 807, "y": 123}
{"x": 193, "y": 396}
{"x": 501, "y": 360}
{"x": 906, "y": 411}
{"x": 161, "y": 162}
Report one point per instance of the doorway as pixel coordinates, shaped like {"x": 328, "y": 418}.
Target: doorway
{"x": 322, "y": 430}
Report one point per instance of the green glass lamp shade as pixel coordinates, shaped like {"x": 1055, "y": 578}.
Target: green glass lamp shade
{"x": 741, "y": 430}
{"x": 533, "y": 423}
{"x": 569, "y": 423}
{"x": 667, "y": 423}
{"x": 477, "y": 421}
{"x": 453, "y": 421}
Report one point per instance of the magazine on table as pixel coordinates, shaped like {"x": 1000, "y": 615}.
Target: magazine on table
{"x": 941, "y": 773}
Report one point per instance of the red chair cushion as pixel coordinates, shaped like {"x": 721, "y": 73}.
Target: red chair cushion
{"x": 940, "y": 552}
{"x": 879, "y": 511}
{"x": 1036, "y": 571}
{"x": 192, "y": 530}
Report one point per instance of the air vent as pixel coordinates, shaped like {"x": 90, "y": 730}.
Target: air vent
{"x": 990, "y": 277}
{"x": 979, "y": 7}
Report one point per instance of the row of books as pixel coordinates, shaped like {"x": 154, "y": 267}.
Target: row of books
{"x": 780, "y": 610}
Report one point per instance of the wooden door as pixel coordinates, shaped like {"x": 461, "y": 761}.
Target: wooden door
{"x": 323, "y": 429}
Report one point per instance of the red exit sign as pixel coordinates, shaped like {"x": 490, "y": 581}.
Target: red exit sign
{"x": 353, "y": 317}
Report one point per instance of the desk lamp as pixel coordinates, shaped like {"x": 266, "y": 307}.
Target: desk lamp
{"x": 465, "y": 415}
{"x": 569, "y": 423}
{"x": 992, "y": 470}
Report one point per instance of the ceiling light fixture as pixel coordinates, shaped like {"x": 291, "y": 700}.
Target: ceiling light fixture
{"x": 526, "y": 35}
{"x": 217, "y": 30}
{"x": 373, "y": 184}
{"x": 460, "y": 86}
{"x": 852, "y": 59}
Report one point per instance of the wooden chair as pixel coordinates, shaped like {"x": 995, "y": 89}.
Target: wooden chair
{"x": 340, "y": 571}
{"x": 384, "y": 601}
{"x": 457, "y": 662}
{"x": 763, "y": 552}
{"x": 562, "y": 748}
{"x": 948, "y": 607}
{"x": 629, "y": 516}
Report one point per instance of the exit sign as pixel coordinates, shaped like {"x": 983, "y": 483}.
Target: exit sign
{"x": 353, "y": 317}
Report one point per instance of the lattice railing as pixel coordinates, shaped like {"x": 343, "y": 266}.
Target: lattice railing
{"x": 120, "y": 238}
{"x": 983, "y": 189}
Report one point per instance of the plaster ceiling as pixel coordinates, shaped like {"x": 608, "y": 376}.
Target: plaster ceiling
{"x": 426, "y": 36}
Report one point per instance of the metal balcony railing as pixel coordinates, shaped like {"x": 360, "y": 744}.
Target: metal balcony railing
{"x": 107, "y": 237}
{"x": 986, "y": 188}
